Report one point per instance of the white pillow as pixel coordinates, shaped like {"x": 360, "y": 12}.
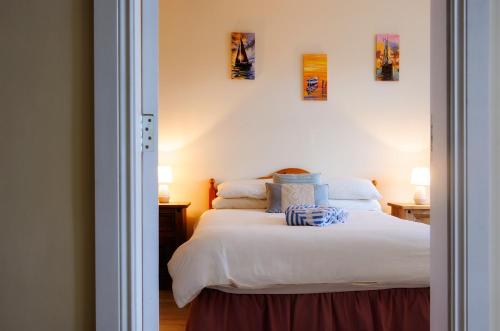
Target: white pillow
{"x": 372, "y": 205}
{"x": 239, "y": 203}
{"x": 247, "y": 188}
{"x": 353, "y": 189}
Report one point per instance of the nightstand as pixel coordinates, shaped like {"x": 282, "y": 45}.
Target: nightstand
{"x": 411, "y": 212}
{"x": 172, "y": 234}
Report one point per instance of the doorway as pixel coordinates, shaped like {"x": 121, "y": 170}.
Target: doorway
{"x": 125, "y": 300}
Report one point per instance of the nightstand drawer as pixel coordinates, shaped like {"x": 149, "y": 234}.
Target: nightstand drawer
{"x": 411, "y": 212}
{"x": 167, "y": 236}
{"x": 418, "y": 215}
{"x": 172, "y": 234}
{"x": 167, "y": 221}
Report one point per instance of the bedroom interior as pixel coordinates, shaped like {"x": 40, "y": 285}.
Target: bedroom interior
{"x": 236, "y": 103}
{"x": 68, "y": 197}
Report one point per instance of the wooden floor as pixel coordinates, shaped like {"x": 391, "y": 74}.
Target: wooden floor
{"x": 171, "y": 317}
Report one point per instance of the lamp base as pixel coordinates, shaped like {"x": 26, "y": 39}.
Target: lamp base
{"x": 420, "y": 197}
{"x": 164, "y": 199}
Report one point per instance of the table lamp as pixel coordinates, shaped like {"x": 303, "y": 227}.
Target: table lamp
{"x": 164, "y": 178}
{"x": 421, "y": 178}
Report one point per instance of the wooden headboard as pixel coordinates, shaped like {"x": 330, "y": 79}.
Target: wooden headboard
{"x": 212, "y": 190}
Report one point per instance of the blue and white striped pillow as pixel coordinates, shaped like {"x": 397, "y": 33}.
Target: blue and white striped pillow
{"x": 314, "y": 215}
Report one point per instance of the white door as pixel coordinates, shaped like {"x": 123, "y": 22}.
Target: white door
{"x": 150, "y": 230}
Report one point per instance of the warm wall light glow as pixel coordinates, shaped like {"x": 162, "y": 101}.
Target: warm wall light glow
{"x": 421, "y": 176}
{"x": 165, "y": 175}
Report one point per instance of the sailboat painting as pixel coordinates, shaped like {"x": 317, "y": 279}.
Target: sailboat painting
{"x": 315, "y": 81}
{"x": 387, "y": 57}
{"x": 242, "y": 55}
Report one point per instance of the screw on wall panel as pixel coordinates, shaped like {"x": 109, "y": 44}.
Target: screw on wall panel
{"x": 148, "y": 129}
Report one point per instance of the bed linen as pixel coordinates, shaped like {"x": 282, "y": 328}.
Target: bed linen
{"x": 252, "y": 251}
{"x": 239, "y": 203}
{"x": 352, "y": 189}
{"x": 382, "y": 310}
{"x": 243, "y": 188}
{"x": 372, "y": 205}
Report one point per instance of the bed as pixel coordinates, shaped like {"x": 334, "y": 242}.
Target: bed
{"x": 246, "y": 270}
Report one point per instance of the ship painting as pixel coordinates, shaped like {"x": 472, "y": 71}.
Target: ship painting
{"x": 242, "y": 55}
{"x": 315, "y": 83}
{"x": 387, "y": 57}
{"x": 312, "y": 85}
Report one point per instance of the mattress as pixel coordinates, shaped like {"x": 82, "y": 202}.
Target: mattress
{"x": 250, "y": 251}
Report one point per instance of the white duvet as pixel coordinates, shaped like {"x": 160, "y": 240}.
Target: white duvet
{"x": 250, "y": 251}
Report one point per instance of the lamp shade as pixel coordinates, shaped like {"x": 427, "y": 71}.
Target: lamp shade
{"x": 165, "y": 175}
{"x": 421, "y": 176}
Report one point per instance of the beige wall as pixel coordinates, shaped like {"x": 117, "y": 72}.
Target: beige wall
{"x": 211, "y": 125}
{"x": 46, "y": 192}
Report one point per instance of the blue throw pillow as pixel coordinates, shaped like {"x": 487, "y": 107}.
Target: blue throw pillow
{"x": 280, "y": 196}
{"x": 297, "y": 178}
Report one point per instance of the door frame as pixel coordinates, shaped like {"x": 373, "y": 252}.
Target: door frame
{"x": 460, "y": 117}
{"x": 461, "y": 113}
{"x": 126, "y": 247}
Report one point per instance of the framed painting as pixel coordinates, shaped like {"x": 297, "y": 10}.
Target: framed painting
{"x": 387, "y": 57}
{"x": 243, "y": 55}
{"x": 315, "y": 80}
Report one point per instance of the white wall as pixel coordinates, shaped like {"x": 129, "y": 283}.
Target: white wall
{"x": 212, "y": 126}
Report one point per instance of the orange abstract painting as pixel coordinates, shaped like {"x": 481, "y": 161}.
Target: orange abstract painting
{"x": 315, "y": 83}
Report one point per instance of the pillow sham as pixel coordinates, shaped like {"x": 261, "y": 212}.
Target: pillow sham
{"x": 239, "y": 203}
{"x": 370, "y": 205}
{"x": 280, "y": 196}
{"x": 353, "y": 189}
{"x": 297, "y": 178}
{"x": 246, "y": 188}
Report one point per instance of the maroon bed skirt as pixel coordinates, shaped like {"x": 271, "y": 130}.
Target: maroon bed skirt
{"x": 404, "y": 309}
